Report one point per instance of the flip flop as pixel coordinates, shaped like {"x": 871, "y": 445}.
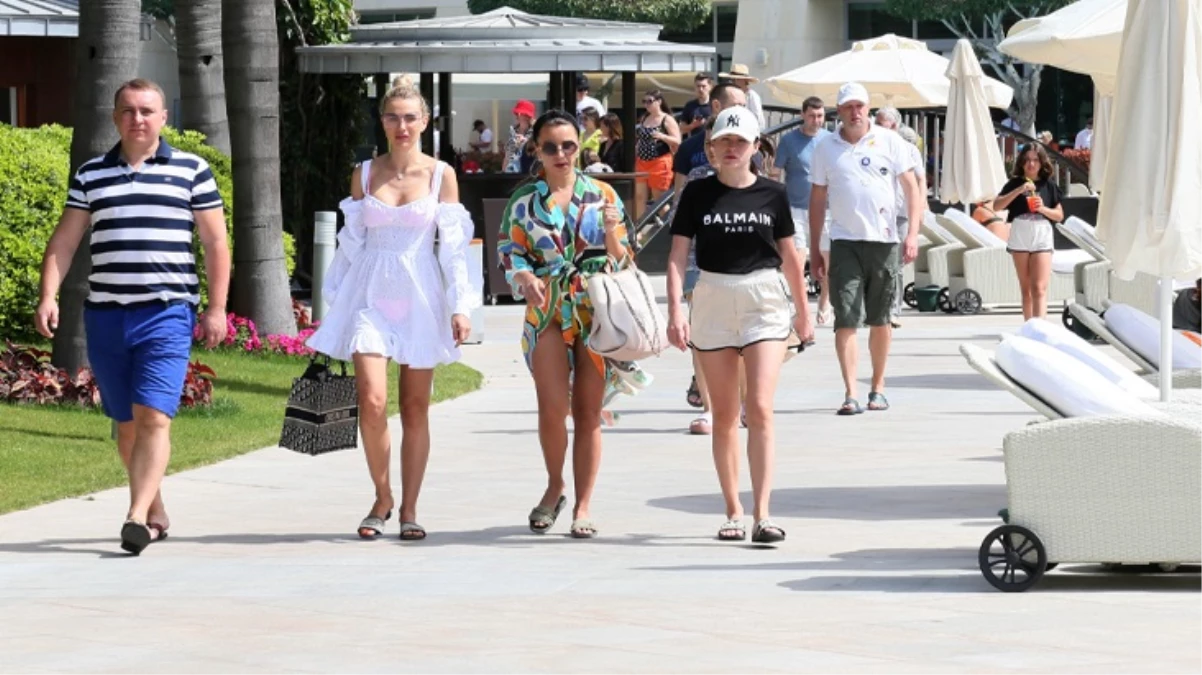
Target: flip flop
{"x": 693, "y": 395}
{"x": 411, "y": 531}
{"x": 732, "y": 525}
{"x": 850, "y": 407}
{"x": 767, "y": 532}
{"x": 702, "y": 425}
{"x": 373, "y": 526}
{"x": 583, "y": 528}
{"x": 541, "y": 515}
{"x": 159, "y": 530}
{"x": 877, "y": 401}
{"x": 135, "y": 537}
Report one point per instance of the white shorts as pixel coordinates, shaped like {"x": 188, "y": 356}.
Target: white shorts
{"x": 732, "y": 311}
{"x": 801, "y": 223}
{"x": 1031, "y": 235}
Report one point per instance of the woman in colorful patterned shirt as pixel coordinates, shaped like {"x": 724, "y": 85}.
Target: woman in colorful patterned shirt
{"x": 556, "y": 232}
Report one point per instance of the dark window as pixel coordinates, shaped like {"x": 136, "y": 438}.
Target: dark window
{"x": 8, "y": 105}
{"x": 367, "y": 18}
{"x": 704, "y": 34}
{"x": 934, "y": 30}
{"x": 869, "y": 19}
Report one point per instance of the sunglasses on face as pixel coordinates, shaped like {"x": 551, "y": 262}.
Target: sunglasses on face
{"x": 650, "y": 100}
{"x": 393, "y": 118}
{"x": 550, "y": 149}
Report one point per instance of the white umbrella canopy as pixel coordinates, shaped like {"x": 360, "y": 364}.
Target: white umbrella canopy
{"x": 896, "y": 71}
{"x": 1083, "y": 37}
{"x": 972, "y": 163}
{"x": 1152, "y": 197}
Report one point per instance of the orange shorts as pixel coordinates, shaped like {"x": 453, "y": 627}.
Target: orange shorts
{"x": 658, "y": 170}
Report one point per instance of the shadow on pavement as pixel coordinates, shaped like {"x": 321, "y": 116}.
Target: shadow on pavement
{"x": 884, "y": 502}
{"x": 950, "y": 381}
{"x": 1057, "y": 581}
{"x": 873, "y": 559}
{"x": 866, "y": 502}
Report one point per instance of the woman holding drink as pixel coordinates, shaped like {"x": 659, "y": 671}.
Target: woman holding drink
{"x": 1034, "y": 204}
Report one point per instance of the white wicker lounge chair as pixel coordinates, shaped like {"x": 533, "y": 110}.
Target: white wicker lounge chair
{"x": 982, "y": 274}
{"x": 1091, "y": 279}
{"x": 1182, "y": 379}
{"x": 1107, "y": 489}
{"x": 930, "y": 267}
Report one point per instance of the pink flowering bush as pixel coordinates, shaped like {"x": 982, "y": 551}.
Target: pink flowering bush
{"x": 242, "y": 335}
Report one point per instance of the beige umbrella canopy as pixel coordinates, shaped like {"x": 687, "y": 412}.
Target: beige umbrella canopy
{"x": 1083, "y": 37}
{"x": 1149, "y": 211}
{"x": 896, "y": 71}
{"x": 972, "y": 163}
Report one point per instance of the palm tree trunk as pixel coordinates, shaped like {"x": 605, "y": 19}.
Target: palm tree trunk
{"x": 106, "y": 56}
{"x": 252, "y": 85}
{"x": 198, "y": 36}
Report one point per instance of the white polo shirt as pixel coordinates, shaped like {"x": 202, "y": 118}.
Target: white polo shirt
{"x": 861, "y": 182}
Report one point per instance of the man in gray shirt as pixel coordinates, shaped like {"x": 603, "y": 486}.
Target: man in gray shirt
{"x": 794, "y": 155}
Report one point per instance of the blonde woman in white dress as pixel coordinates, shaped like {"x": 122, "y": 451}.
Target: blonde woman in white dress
{"x": 392, "y": 297}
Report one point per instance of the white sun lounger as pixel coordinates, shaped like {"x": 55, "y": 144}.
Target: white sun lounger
{"x": 982, "y": 274}
{"x": 1106, "y": 489}
{"x": 1182, "y": 379}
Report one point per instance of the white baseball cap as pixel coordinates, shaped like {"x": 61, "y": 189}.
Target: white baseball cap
{"x": 736, "y": 120}
{"x": 852, "y": 91}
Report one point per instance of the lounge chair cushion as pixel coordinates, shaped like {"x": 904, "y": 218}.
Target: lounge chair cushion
{"x": 1085, "y": 232}
{"x": 1141, "y": 332}
{"x": 1065, "y": 261}
{"x": 978, "y": 231}
{"x": 1063, "y": 339}
{"x": 1068, "y": 385}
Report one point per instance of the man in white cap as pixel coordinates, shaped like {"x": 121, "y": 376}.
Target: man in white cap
{"x": 859, "y": 170}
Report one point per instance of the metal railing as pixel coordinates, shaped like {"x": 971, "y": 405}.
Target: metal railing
{"x": 929, "y": 124}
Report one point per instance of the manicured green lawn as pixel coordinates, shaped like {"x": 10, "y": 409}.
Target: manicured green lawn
{"x": 51, "y": 453}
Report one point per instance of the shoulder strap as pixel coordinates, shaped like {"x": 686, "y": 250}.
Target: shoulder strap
{"x": 365, "y": 177}
{"x": 436, "y": 179}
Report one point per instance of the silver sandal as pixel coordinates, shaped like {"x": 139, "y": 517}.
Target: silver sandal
{"x": 732, "y": 525}
{"x": 583, "y": 528}
{"x": 411, "y": 531}
{"x": 542, "y": 518}
{"x": 767, "y": 532}
{"x": 373, "y": 525}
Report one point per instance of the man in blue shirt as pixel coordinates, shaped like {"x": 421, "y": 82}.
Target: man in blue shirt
{"x": 794, "y": 154}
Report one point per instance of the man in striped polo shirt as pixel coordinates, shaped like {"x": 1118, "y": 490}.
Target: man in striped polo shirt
{"x": 142, "y": 200}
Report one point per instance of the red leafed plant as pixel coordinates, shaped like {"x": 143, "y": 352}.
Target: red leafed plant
{"x": 27, "y": 376}
{"x": 198, "y": 386}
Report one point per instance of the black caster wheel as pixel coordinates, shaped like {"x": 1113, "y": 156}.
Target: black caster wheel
{"x": 909, "y": 297}
{"x": 944, "y": 301}
{"x": 1067, "y": 318}
{"x": 968, "y": 301}
{"x": 1012, "y": 559}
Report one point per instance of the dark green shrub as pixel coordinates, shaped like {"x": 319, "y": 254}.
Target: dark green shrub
{"x": 34, "y": 173}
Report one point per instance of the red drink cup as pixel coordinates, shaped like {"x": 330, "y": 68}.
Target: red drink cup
{"x": 1033, "y": 203}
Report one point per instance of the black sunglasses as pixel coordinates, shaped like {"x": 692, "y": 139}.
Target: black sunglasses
{"x": 550, "y": 149}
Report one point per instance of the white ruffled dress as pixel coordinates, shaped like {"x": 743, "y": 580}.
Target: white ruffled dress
{"x": 388, "y": 291}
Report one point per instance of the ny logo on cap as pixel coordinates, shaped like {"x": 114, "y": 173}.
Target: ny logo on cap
{"x": 732, "y": 121}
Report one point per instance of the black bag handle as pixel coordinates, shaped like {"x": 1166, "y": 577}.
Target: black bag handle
{"x": 319, "y": 367}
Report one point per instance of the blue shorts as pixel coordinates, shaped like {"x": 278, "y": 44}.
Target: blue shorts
{"x": 140, "y": 356}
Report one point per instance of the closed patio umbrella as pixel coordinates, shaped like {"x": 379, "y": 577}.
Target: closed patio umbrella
{"x": 896, "y": 71}
{"x": 972, "y": 163}
{"x": 1150, "y": 216}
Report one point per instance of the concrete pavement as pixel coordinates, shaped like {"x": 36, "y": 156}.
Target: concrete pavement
{"x": 263, "y": 571}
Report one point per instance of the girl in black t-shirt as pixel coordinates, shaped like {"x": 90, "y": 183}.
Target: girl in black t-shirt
{"x": 741, "y": 307}
{"x": 1033, "y": 201}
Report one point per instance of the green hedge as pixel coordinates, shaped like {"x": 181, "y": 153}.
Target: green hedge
{"x": 34, "y": 173}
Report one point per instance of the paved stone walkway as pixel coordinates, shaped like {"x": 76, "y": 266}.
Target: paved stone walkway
{"x": 263, "y": 572}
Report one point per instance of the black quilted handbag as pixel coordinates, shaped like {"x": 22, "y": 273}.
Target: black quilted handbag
{"x": 323, "y": 410}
